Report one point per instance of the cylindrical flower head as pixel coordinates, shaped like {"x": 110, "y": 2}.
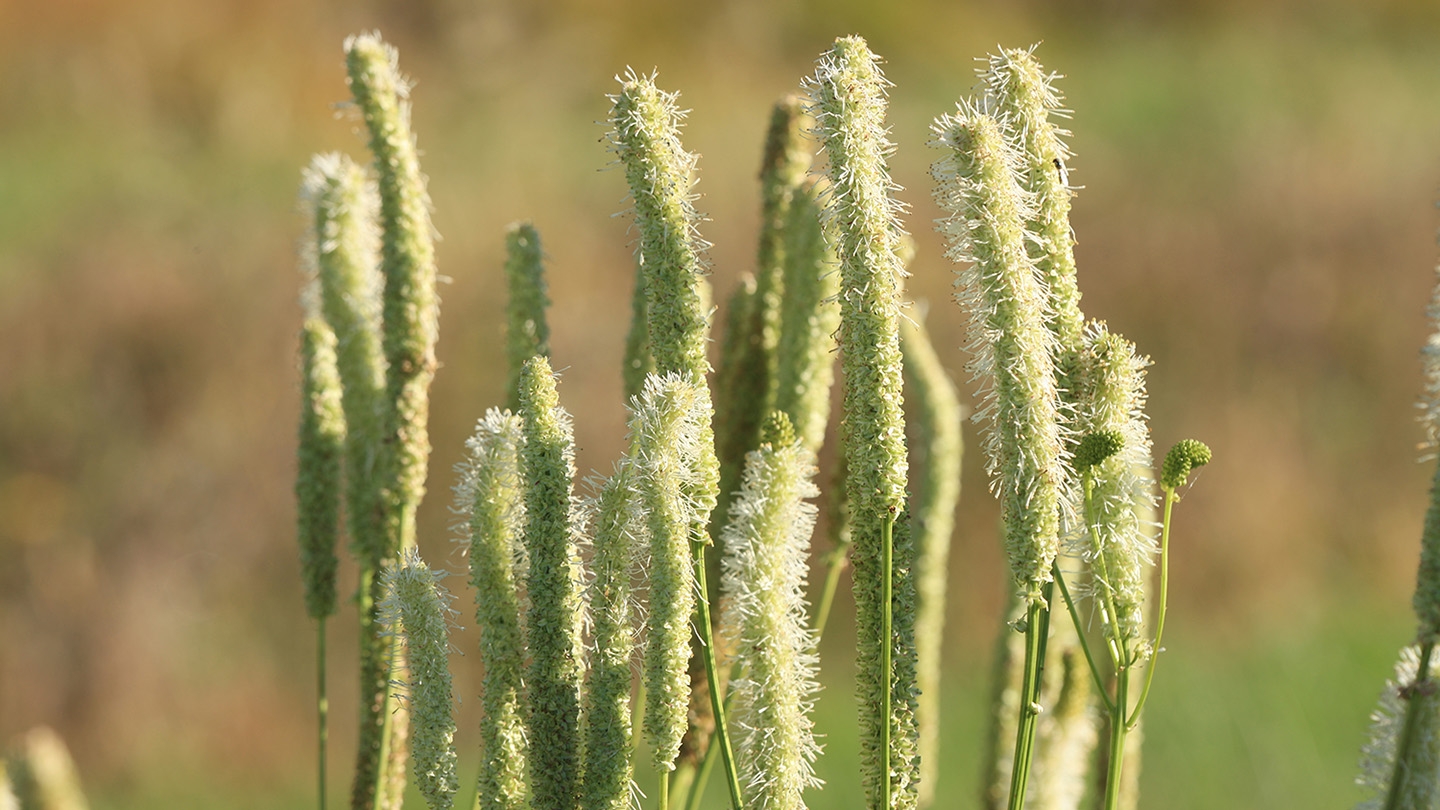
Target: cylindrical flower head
{"x": 668, "y": 429}
{"x": 554, "y": 585}
{"x": 767, "y": 543}
{"x": 935, "y": 448}
{"x": 1419, "y": 775}
{"x": 809, "y": 318}
{"x": 321, "y": 454}
{"x": 1025, "y": 100}
{"x": 646, "y": 135}
{"x": 491, "y": 500}
{"x": 410, "y": 307}
{"x": 1013, "y": 350}
{"x": 40, "y": 775}
{"x": 847, "y": 97}
{"x": 638, "y": 363}
{"x": 344, "y": 248}
{"x": 607, "y": 783}
{"x": 1111, "y": 402}
{"x": 529, "y": 332}
{"x": 418, "y": 607}
{"x": 741, "y": 394}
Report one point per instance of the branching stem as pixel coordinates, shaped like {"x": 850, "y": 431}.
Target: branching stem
{"x": 1170, "y": 499}
{"x": 717, "y": 701}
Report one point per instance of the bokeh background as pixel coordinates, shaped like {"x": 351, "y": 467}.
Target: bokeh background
{"x": 1257, "y": 214}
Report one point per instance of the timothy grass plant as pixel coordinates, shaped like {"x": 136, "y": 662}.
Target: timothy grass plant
{"x": 591, "y": 605}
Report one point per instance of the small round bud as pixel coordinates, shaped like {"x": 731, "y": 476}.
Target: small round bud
{"x": 1096, "y": 447}
{"x": 1186, "y": 455}
{"x": 777, "y": 431}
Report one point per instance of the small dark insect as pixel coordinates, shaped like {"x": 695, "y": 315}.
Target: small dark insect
{"x": 1060, "y": 167}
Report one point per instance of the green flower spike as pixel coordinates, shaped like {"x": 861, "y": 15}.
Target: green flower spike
{"x": 490, "y": 500}
{"x": 935, "y": 449}
{"x": 410, "y": 314}
{"x": 1009, "y": 340}
{"x": 619, "y": 529}
{"x": 667, "y": 431}
{"x": 646, "y": 136}
{"x": 1025, "y": 100}
{"x": 547, "y": 464}
{"x": 528, "y": 333}
{"x": 809, "y": 318}
{"x": 321, "y": 454}
{"x": 345, "y": 250}
{"x": 847, "y": 95}
{"x": 1119, "y": 490}
{"x": 767, "y": 544}
{"x": 1013, "y": 356}
{"x": 418, "y": 608}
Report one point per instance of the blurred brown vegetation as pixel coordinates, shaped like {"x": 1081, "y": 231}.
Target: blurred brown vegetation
{"x": 1256, "y": 214}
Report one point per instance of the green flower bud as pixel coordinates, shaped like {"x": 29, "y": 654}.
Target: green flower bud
{"x": 1096, "y": 447}
{"x": 418, "y": 608}
{"x": 1186, "y": 455}
{"x": 528, "y": 333}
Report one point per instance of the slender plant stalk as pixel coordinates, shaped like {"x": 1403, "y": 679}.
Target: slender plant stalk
{"x": 322, "y": 713}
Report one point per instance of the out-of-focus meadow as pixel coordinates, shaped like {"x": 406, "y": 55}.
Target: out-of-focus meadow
{"x": 1256, "y": 214}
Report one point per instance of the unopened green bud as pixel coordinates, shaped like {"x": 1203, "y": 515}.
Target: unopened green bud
{"x": 528, "y": 333}
{"x": 1096, "y": 447}
{"x": 1186, "y": 455}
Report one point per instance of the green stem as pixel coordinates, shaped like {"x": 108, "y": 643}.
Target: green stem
{"x": 702, "y": 777}
{"x": 1025, "y": 728}
{"x": 664, "y": 790}
{"x": 1119, "y": 653}
{"x": 1117, "y": 738}
{"x": 835, "y": 566}
{"x": 717, "y": 702}
{"x": 322, "y": 706}
{"x": 382, "y": 769}
{"x": 1084, "y": 642}
{"x": 1170, "y": 499}
{"x": 1411, "y": 727}
{"x": 887, "y": 643}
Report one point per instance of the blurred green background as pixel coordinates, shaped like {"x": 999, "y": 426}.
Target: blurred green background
{"x": 1256, "y": 214}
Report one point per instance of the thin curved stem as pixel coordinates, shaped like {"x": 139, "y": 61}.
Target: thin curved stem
{"x": 835, "y": 562}
{"x": 322, "y": 708}
{"x": 702, "y": 777}
{"x": 717, "y": 701}
{"x": 1117, "y": 738}
{"x": 1170, "y": 499}
{"x": 1084, "y": 642}
{"x": 1029, "y": 711}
